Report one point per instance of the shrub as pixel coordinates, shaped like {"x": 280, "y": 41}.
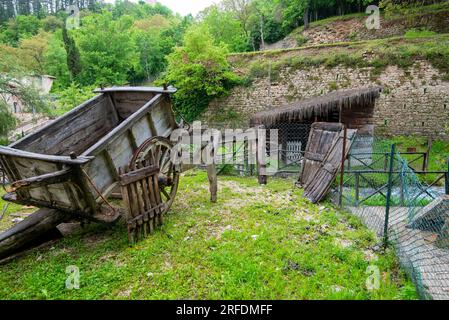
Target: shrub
{"x": 200, "y": 71}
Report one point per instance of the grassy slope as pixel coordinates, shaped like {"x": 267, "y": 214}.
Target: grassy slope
{"x": 255, "y": 243}
{"x": 410, "y": 13}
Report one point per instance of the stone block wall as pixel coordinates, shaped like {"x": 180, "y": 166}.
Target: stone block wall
{"x": 415, "y": 101}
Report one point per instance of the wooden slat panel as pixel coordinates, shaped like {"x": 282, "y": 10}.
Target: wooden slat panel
{"x": 321, "y": 138}
{"x": 319, "y": 185}
{"x": 76, "y": 133}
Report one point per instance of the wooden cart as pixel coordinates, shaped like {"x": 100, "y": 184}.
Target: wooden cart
{"x": 71, "y": 166}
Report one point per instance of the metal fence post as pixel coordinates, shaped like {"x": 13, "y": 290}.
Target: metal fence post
{"x": 446, "y": 184}
{"x": 343, "y": 159}
{"x": 389, "y": 191}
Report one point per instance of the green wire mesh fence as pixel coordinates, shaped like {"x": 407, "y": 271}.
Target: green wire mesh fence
{"x": 405, "y": 204}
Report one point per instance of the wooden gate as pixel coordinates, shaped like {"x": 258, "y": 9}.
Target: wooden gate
{"x": 142, "y": 198}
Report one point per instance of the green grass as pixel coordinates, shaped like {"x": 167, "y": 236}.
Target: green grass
{"x": 414, "y": 33}
{"x": 399, "y": 51}
{"x": 11, "y": 208}
{"x": 257, "y": 242}
{"x": 439, "y": 154}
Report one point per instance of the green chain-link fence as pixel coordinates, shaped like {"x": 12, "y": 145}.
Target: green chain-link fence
{"x": 406, "y": 205}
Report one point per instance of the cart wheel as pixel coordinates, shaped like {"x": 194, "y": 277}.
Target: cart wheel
{"x": 157, "y": 150}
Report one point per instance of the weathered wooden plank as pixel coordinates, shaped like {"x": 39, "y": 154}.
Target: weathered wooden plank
{"x": 7, "y": 151}
{"x": 213, "y": 182}
{"x": 138, "y": 174}
{"x": 23, "y": 234}
{"x": 136, "y": 90}
{"x": 123, "y": 127}
{"x": 141, "y": 131}
{"x": 42, "y": 180}
{"x": 76, "y": 133}
{"x": 49, "y": 128}
{"x": 319, "y": 184}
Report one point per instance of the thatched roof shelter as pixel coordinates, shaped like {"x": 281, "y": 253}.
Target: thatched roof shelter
{"x": 319, "y": 106}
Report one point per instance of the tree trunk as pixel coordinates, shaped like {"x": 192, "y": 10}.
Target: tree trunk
{"x": 306, "y": 16}
{"x": 262, "y": 35}
{"x": 30, "y": 232}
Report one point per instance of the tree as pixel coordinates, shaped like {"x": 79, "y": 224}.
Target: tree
{"x": 55, "y": 61}
{"x": 73, "y": 54}
{"x": 34, "y": 49}
{"x": 200, "y": 71}
{"x": 52, "y": 23}
{"x": 21, "y": 27}
{"x": 241, "y": 9}
{"x": 226, "y": 29}
{"x": 108, "y": 52}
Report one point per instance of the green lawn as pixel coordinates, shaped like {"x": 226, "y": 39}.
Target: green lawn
{"x": 255, "y": 243}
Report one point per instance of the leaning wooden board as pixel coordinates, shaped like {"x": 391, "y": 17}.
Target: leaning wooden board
{"x": 322, "y": 137}
{"x": 319, "y": 184}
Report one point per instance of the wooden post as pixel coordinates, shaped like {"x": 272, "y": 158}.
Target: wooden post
{"x": 343, "y": 159}
{"x": 261, "y": 157}
{"x": 213, "y": 184}
{"x": 212, "y": 173}
{"x": 390, "y": 188}
{"x": 427, "y": 155}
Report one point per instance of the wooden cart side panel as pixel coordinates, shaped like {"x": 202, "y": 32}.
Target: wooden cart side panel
{"x": 117, "y": 150}
{"x": 43, "y": 140}
{"x": 81, "y": 132}
{"x": 141, "y": 131}
{"x": 163, "y": 118}
{"x": 59, "y": 196}
{"x": 128, "y": 103}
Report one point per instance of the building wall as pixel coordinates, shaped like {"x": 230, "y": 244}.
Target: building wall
{"x": 43, "y": 85}
{"x": 414, "y": 101}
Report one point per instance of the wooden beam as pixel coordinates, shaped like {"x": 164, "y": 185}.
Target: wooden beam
{"x": 22, "y": 235}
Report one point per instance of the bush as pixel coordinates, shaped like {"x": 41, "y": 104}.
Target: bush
{"x": 7, "y": 122}
{"x": 71, "y": 97}
{"x": 200, "y": 71}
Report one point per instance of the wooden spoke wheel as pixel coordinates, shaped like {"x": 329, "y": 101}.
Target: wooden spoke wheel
{"x": 157, "y": 151}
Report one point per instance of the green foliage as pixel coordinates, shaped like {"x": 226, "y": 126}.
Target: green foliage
{"x": 72, "y": 54}
{"x": 71, "y": 97}
{"x": 138, "y": 10}
{"x": 108, "y": 52}
{"x": 52, "y": 23}
{"x": 414, "y": 33}
{"x": 225, "y": 29}
{"x": 155, "y": 37}
{"x": 56, "y": 61}
{"x": 200, "y": 71}
{"x": 300, "y": 40}
{"x": 21, "y": 27}
{"x": 7, "y": 122}
{"x": 385, "y": 52}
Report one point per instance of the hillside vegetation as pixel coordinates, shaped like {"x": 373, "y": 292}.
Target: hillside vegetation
{"x": 136, "y": 43}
